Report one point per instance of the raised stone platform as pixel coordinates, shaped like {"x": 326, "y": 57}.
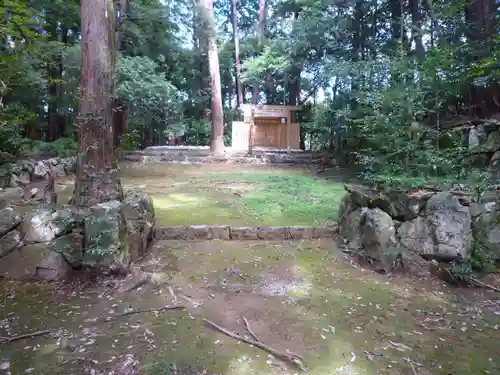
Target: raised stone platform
{"x": 192, "y": 155}
{"x": 242, "y": 233}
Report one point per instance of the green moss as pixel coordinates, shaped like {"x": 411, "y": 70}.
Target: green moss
{"x": 334, "y": 310}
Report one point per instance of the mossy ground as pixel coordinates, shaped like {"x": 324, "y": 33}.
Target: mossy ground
{"x": 303, "y": 296}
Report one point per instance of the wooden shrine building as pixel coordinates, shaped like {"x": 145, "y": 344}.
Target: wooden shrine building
{"x": 275, "y": 127}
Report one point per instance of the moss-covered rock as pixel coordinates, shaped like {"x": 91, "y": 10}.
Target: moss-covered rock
{"x": 70, "y": 247}
{"x": 105, "y": 231}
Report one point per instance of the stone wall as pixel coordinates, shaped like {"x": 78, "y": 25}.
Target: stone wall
{"x": 197, "y": 156}
{"x": 225, "y": 232}
{"x": 483, "y": 141}
{"x": 47, "y": 242}
{"x": 416, "y": 225}
{"x": 24, "y": 172}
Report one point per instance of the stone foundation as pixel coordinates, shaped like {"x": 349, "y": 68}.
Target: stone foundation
{"x": 243, "y": 233}
{"x": 24, "y": 172}
{"x": 201, "y": 155}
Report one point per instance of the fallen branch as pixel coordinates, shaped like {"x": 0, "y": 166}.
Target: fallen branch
{"x": 288, "y": 357}
{"x": 154, "y": 310}
{"x": 6, "y": 340}
{"x": 247, "y": 326}
{"x": 481, "y": 284}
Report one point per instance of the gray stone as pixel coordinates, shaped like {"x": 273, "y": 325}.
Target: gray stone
{"x": 10, "y": 194}
{"x": 9, "y": 219}
{"x": 492, "y": 143}
{"x": 346, "y": 206}
{"x": 220, "y": 232}
{"x": 416, "y": 235}
{"x": 271, "y": 233}
{"x": 325, "y": 232}
{"x": 34, "y": 262}
{"x": 140, "y": 217}
{"x": 451, "y": 227}
{"x": 243, "y": 233}
{"x": 361, "y": 196}
{"x": 350, "y": 228}
{"x": 495, "y": 158}
{"x": 473, "y": 138}
{"x": 105, "y": 237}
{"x": 39, "y": 171}
{"x": 377, "y": 232}
{"x": 199, "y": 232}
{"x": 70, "y": 247}
{"x": 44, "y": 224}
{"x": 297, "y": 232}
{"x": 172, "y": 233}
{"x": 9, "y": 242}
{"x": 443, "y": 233}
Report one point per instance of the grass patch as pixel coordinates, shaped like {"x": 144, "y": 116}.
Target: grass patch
{"x": 236, "y": 195}
{"x": 287, "y": 198}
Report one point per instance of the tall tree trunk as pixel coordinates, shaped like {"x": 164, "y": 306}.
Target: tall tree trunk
{"x": 255, "y": 89}
{"x": 54, "y": 87}
{"x": 237, "y": 65}
{"x": 96, "y": 180}
{"x": 217, "y": 141}
{"x": 416, "y": 24}
{"x": 481, "y": 16}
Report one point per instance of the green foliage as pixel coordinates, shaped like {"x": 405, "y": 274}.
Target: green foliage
{"x": 131, "y": 141}
{"x": 460, "y": 272}
{"x": 152, "y": 102}
{"x": 62, "y": 147}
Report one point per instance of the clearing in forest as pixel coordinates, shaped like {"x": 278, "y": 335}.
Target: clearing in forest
{"x": 303, "y": 297}
{"x": 233, "y": 194}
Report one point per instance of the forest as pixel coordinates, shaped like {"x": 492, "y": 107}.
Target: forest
{"x": 375, "y": 252}
{"x": 390, "y": 87}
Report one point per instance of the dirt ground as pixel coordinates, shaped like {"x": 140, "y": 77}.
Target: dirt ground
{"x": 303, "y": 297}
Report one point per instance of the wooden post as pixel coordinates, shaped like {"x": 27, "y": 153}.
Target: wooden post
{"x": 288, "y": 123}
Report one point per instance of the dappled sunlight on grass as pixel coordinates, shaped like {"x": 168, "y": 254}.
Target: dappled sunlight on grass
{"x": 244, "y": 196}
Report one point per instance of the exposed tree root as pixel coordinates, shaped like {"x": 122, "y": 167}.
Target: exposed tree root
{"x": 483, "y": 285}
{"x": 6, "y": 340}
{"x": 287, "y": 357}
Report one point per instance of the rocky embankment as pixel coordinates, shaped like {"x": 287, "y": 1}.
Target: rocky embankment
{"x": 47, "y": 241}
{"x": 412, "y": 227}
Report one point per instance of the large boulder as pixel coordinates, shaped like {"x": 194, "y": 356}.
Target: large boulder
{"x": 106, "y": 237}
{"x": 378, "y": 233}
{"x": 492, "y": 142}
{"x": 9, "y": 242}
{"x": 485, "y": 227}
{"x": 117, "y": 233}
{"x": 9, "y": 219}
{"x": 44, "y": 224}
{"x": 399, "y": 204}
{"x": 140, "y": 218}
{"x": 350, "y": 228}
{"x": 35, "y": 261}
{"x": 443, "y": 232}
{"x": 70, "y": 246}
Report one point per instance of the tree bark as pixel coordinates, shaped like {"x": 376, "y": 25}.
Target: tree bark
{"x": 237, "y": 65}
{"x": 217, "y": 141}
{"x": 416, "y": 23}
{"x": 255, "y": 89}
{"x": 96, "y": 179}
